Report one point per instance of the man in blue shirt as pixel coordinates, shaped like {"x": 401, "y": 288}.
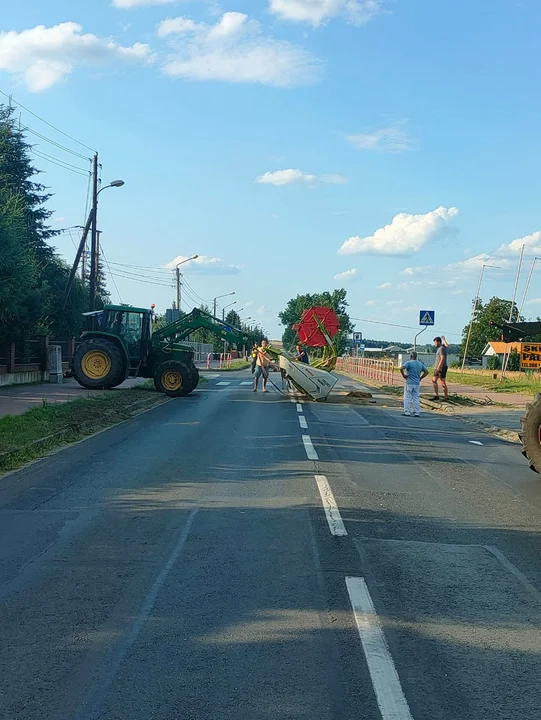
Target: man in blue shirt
{"x": 413, "y": 371}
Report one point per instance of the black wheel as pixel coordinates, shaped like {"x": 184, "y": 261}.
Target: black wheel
{"x": 531, "y": 434}
{"x": 173, "y": 378}
{"x": 195, "y": 378}
{"x": 99, "y": 364}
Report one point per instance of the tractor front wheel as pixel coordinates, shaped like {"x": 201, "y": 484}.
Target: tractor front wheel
{"x": 195, "y": 377}
{"x": 173, "y": 378}
{"x": 99, "y": 364}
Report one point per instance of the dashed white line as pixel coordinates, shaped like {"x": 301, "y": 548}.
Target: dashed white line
{"x": 475, "y": 442}
{"x": 249, "y": 382}
{"x": 299, "y": 407}
{"x": 310, "y": 449}
{"x": 223, "y": 383}
{"x": 334, "y": 519}
{"x": 302, "y": 422}
{"x": 390, "y": 696}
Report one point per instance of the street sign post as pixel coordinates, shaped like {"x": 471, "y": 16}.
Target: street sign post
{"x": 427, "y": 317}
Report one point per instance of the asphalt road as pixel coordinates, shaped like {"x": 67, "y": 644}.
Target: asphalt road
{"x": 237, "y": 556}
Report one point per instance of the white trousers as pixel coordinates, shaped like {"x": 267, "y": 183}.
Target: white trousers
{"x": 412, "y": 395}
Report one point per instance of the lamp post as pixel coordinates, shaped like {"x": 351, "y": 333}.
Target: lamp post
{"x": 217, "y": 298}
{"x": 225, "y": 307}
{"x": 476, "y": 302}
{"x": 94, "y": 236}
{"x": 177, "y": 271}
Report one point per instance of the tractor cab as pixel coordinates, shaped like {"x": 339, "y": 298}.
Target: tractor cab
{"x": 130, "y": 326}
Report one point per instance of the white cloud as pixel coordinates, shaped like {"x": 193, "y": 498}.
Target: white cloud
{"x": 475, "y": 263}
{"x": 317, "y": 12}
{"x": 384, "y": 286}
{"x": 531, "y": 243}
{"x": 205, "y": 264}
{"x": 128, "y": 4}
{"x": 387, "y": 140}
{"x": 394, "y": 302}
{"x": 405, "y": 234}
{"x": 290, "y": 176}
{"x": 370, "y": 302}
{"x": 247, "y": 304}
{"x": 534, "y": 301}
{"x": 419, "y": 270}
{"x": 346, "y": 275}
{"x": 235, "y": 50}
{"x": 42, "y": 57}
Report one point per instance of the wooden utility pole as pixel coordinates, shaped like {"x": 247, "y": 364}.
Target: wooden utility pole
{"x": 94, "y": 237}
{"x": 178, "y": 288}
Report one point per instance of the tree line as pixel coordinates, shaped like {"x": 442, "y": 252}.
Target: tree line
{"x": 33, "y": 277}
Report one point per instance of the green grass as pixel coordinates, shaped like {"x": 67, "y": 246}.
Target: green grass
{"x": 36, "y": 432}
{"x": 235, "y": 365}
{"x": 514, "y": 382}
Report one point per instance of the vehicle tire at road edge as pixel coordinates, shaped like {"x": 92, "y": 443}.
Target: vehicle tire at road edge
{"x": 99, "y": 364}
{"x": 530, "y": 435}
{"x": 173, "y": 378}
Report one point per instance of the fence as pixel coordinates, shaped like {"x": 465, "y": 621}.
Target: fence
{"x": 27, "y": 360}
{"x": 381, "y": 370}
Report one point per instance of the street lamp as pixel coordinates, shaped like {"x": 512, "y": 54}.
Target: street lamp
{"x": 217, "y": 298}
{"x": 226, "y": 306}
{"x": 496, "y": 267}
{"x": 194, "y": 257}
{"x": 94, "y": 237}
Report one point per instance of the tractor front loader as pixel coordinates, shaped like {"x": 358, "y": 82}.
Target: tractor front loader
{"x": 122, "y": 344}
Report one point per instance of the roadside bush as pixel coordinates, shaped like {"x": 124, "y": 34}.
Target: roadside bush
{"x": 494, "y": 362}
{"x": 514, "y": 360}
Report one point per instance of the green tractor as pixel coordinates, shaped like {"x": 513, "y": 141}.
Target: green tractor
{"x": 122, "y": 344}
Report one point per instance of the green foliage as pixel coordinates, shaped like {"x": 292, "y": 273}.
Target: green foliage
{"x": 294, "y": 309}
{"x": 496, "y": 310}
{"x": 32, "y": 277}
{"x": 513, "y": 363}
{"x": 494, "y": 362}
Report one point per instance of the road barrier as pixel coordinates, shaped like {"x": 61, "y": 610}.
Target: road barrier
{"x": 225, "y": 360}
{"x": 381, "y": 370}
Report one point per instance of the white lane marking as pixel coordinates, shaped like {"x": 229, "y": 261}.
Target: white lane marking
{"x": 223, "y": 383}
{"x": 98, "y": 695}
{"x": 334, "y": 519}
{"x": 299, "y": 407}
{"x": 475, "y": 442}
{"x": 302, "y": 422}
{"x": 249, "y": 382}
{"x": 390, "y": 696}
{"x": 310, "y": 449}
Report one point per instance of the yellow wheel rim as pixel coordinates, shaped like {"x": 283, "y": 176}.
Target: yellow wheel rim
{"x": 96, "y": 364}
{"x": 172, "y": 380}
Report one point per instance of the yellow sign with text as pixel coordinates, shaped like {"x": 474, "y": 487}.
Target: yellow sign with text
{"x": 530, "y": 356}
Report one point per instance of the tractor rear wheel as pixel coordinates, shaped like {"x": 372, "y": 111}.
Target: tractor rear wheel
{"x": 99, "y": 364}
{"x": 530, "y": 435}
{"x": 195, "y": 378}
{"x": 173, "y": 378}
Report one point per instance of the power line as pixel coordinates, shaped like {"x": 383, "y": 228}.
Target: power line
{"x": 47, "y": 123}
{"x": 144, "y": 277}
{"x": 141, "y": 267}
{"x": 53, "y": 142}
{"x": 136, "y": 279}
{"x": 60, "y": 164}
{"x": 407, "y": 327}
{"x": 111, "y": 274}
{"x": 64, "y": 162}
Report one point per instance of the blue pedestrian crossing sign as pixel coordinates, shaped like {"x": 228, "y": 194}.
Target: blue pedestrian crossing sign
{"x": 427, "y": 317}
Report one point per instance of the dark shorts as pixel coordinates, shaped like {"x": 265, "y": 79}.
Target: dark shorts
{"x": 259, "y": 371}
{"x": 441, "y": 374}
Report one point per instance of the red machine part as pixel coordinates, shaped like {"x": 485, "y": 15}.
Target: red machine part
{"x": 308, "y": 330}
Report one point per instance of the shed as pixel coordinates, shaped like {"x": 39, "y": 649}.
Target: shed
{"x": 498, "y": 348}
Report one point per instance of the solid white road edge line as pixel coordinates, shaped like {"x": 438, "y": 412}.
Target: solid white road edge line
{"x": 334, "y": 519}
{"x": 390, "y": 696}
{"x": 302, "y": 422}
{"x": 299, "y": 407}
{"x": 310, "y": 449}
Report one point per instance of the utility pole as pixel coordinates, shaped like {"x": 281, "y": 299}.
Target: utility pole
{"x": 214, "y": 312}
{"x": 94, "y": 237}
{"x": 98, "y": 276}
{"x": 80, "y": 251}
{"x": 178, "y": 288}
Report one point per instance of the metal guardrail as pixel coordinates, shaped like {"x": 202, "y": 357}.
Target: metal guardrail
{"x": 381, "y": 370}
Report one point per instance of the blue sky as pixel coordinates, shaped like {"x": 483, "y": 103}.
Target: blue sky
{"x": 289, "y": 141}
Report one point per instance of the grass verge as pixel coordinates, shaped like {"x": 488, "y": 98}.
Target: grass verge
{"x": 514, "y": 382}
{"x": 36, "y": 432}
{"x": 235, "y": 365}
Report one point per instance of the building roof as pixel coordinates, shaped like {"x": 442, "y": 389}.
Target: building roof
{"x": 499, "y": 348}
